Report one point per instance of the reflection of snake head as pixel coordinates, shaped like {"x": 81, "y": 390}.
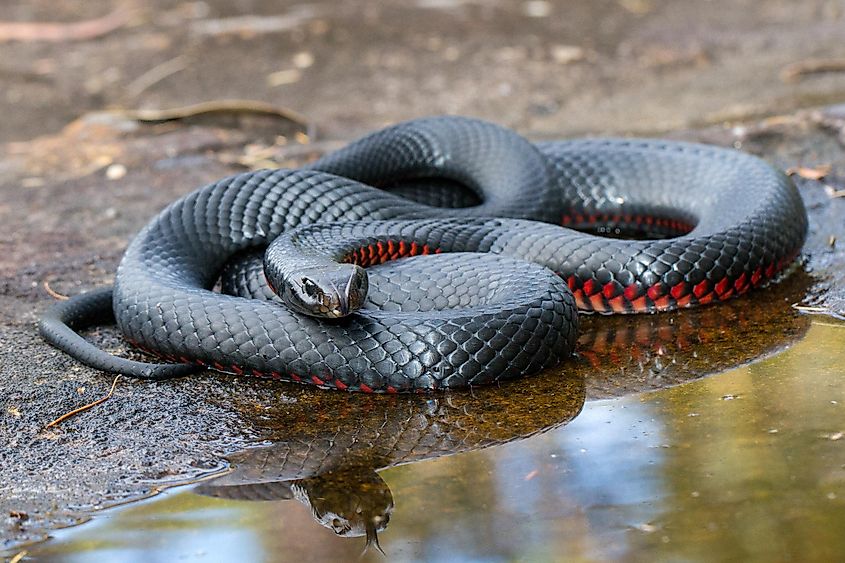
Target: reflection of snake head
{"x": 326, "y": 293}
{"x": 350, "y": 502}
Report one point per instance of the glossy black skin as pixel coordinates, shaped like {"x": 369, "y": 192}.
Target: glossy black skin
{"x": 746, "y": 218}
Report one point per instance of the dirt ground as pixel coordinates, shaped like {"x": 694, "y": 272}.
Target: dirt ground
{"x": 77, "y": 181}
{"x": 546, "y": 68}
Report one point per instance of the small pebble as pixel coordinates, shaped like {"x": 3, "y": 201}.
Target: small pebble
{"x": 537, "y": 9}
{"x": 115, "y": 171}
{"x": 32, "y": 182}
{"x": 565, "y": 54}
{"x": 303, "y": 59}
{"x": 283, "y": 77}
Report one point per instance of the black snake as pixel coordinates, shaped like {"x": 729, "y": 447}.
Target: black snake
{"x": 485, "y": 305}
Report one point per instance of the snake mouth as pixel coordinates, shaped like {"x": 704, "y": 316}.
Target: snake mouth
{"x": 341, "y": 309}
{"x": 336, "y": 301}
{"x": 333, "y": 293}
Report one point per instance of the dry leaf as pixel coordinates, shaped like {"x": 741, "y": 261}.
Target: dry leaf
{"x": 808, "y": 173}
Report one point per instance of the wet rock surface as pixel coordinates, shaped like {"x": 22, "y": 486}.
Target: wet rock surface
{"x": 72, "y": 199}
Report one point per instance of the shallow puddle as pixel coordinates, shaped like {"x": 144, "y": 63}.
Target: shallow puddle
{"x": 749, "y": 463}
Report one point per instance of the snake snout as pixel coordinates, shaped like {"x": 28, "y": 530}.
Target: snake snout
{"x": 354, "y": 291}
{"x": 348, "y": 290}
{"x": 329, "y": 294}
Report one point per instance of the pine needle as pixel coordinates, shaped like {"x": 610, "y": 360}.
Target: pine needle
{"x": 85, "y": 407}
{"x": 53, "y": 293}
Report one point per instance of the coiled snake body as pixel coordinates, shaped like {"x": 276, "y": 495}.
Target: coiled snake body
{"x": 444, "y": 320}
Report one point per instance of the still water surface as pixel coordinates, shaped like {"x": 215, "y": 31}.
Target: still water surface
{"x": 748, "y": 464}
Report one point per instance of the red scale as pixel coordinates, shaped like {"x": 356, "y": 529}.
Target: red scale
{"x": 655, "y": 291}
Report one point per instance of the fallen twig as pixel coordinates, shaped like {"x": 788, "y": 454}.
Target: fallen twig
{"x": 795, "y": 71}
{"x": 248, "y": 26}
{"x": 85, "y": 407}
{"x": 58, "y": 32}
{"x": 53, "y": 293}
{"x": 20, "y": 555}
{"x": 219, "y": 106}
{"x": 156, "y": 75}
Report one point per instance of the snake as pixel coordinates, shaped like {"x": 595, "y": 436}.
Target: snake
{"x": 368, "y": 283}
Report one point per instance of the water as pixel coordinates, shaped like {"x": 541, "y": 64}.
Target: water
{"x": 748, "y": 464}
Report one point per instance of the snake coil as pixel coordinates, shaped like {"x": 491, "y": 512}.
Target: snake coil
{"x": 495, "y": 296}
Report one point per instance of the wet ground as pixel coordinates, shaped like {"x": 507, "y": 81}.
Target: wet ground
{"x": 746, "y": 465}
{"x": 76, "y": 194}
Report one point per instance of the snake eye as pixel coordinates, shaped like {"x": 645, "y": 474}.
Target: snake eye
{"x": 310, "y": 288}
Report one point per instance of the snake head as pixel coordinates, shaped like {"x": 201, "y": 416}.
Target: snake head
{"x": 326, "y": 293}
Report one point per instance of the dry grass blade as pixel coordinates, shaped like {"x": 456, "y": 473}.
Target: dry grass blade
{"x": 251, "y": 26}
{"x": 58, "y": 32}
{"x": 795, "y": 71}
{"x": 20, "y": 555}
{"x": 156, "y": 75}
{"x": 219, "y": 106}
{"x": 85, "y": 407}
{"x": 53, "y": 293}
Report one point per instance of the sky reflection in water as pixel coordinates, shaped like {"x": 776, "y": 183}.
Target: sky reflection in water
{"x": 746, "y": 464}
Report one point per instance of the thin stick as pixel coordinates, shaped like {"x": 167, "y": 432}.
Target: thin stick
{"x": 18, "y": 557}
{"x": 52, "y": 293}
{"x": 156, "y": 75}
{"x": 217, "y": 106}
{"x": 58, "y": 32}
{"x": 795, "y": 71}
{"x": 85, "y": 407}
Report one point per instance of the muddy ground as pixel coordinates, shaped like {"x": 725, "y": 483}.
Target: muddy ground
{"x": 77, "y": 182}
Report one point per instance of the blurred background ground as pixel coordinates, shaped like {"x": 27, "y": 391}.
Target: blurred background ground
{"x": 546, "y": 68}
{"x": 77, "y": 182}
